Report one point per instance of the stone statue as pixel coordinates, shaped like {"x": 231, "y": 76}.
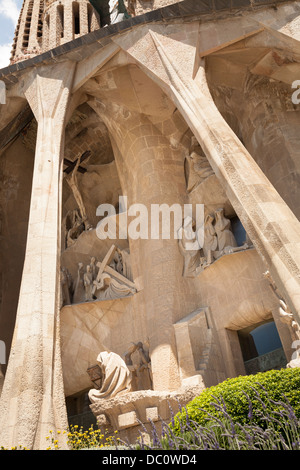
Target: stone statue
{"x": 116, "y": 377}
{"x": 74, "y": 227}
{"x": 124, "y": 266}
{"x": 116, "y": 262}
{"x": 121, "y": 263}
{"x": 79, "y": 290}
{"x": 139, "y": 363}
{"x": 88, "y": 284}
{"x": 210, "y": 239}
{"x": 286, "y": 316}
{"x": 223, "y": 231}
{"x": 73, "y": 183}
{"x": 109, "y": 288}
{"x": 118, "y": 11}
{"x": 196, "y": 167}
{"x": 66, "y": 287}
{"x": 93, "y": 268}
{"x": 189, "y": 248}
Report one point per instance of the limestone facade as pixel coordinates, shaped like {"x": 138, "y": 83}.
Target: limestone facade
{"x": 44, "y": 25}
{"x": 182, "y": 103}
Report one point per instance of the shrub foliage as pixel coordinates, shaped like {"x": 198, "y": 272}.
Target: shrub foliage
{"x": 246, "y": 399}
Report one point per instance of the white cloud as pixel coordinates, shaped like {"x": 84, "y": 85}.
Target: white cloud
{"x": 5, "y": 51}
{"x": 9, "y": 8}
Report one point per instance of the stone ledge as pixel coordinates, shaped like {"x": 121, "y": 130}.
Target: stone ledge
{"x": 132, "y": 413}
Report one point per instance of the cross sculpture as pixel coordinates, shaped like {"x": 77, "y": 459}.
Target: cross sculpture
{"x": 71, "y": 165}
{"x": 104, "y": 267}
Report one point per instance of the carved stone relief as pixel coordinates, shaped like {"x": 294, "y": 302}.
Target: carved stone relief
{"x": 138, "y": 362}
{"x": 116, "y": 377}
{"x": 196, "y": 167}
{"x": 66, "y": 287}
{"x": 218, "y": 240}
{"x": 73, "y": 183}
{"x": 106, "y": 280}
{"x": 286, "y": 316}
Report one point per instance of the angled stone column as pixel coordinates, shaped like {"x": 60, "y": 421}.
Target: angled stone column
{"x": 152, "y": 173}
{"x": 271, "y": 225}
{"x": 32, "y": 400}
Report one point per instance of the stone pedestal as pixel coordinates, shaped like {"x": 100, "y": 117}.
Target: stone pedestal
{"x": 133, "y": 415}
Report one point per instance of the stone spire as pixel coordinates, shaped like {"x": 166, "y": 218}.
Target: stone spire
{"x": 46, "y": 24}
{"x": 28, "y": 35}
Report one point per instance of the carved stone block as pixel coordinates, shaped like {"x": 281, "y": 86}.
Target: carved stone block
{"x": 127, "y": 420}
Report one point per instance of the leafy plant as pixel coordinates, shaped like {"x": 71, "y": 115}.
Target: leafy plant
{"x": 258, "y": 412}
{"x": 243, "y": 399}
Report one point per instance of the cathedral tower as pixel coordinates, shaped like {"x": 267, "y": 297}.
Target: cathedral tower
{"x": 46, "y": 24}
{"x": 28, "y": 35}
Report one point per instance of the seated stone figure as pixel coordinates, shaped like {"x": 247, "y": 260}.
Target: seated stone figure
{"x": 116, "y": 377}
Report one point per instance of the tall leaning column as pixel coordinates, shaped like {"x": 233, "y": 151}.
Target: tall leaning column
{"x": 151, "y": 174}
{"x": 32, "y": 401}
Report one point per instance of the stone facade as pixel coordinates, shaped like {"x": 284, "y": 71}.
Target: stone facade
{"x": 44, "y": 25}
{"x": 168, "y": 103}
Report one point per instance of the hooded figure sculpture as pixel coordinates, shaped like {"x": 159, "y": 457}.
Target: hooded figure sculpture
{"x": 116, "y": 377}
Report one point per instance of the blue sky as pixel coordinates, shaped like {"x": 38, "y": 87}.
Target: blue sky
{"x": 9, "y": 13}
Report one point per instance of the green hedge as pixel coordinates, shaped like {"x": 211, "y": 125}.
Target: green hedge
{"x": 276, "y": 384}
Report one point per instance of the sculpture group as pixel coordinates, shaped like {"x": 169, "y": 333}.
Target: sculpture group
{"x": 106, "y": 280}
{"x": 217, "y": 239}
{"x": 118, "y": 376}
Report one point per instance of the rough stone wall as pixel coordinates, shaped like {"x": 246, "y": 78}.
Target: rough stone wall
{"x": 139, "y": 7}
{"x": 66, "y": 20}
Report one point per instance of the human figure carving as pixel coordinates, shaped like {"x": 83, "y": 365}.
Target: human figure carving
{"x": 88, "y": 283}
{"x": 93, "y": 267}
{"x": 197, "y": 170}
{"x": 286, "y": 316}
{"x": 116, "y": 263}
{"x": 73, "y": 183}
{"x": 139, "y": 363}
{"x": 223, "y": 231}
{"x": 109, "y": 288}
{"x": 124, "y": 266}
{"x": 210, "y": 239}
{"x": 79, "y": 286}
{"x": 74, "y": 227}
{"x": 196, "y": 166}
{"x": 189, "y": 247}
{"x": 116, "y": 377}
{"x": 66, "y": 286}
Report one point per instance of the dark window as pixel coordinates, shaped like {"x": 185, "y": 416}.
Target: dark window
{"x": 76, "y": 18}
{"x": 261, "y": 347}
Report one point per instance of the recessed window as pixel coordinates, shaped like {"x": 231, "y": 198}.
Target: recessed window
{"x": 60, "y": 20}
{"x": 261, "y": 347}
{"x": 27, "y": 25}
{"x": 238, "y": 231}
{"x": 90, "y": 17}
{"x": 76, "y": 19}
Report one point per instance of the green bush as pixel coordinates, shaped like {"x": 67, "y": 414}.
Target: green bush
{"x": 247, "y": 399}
